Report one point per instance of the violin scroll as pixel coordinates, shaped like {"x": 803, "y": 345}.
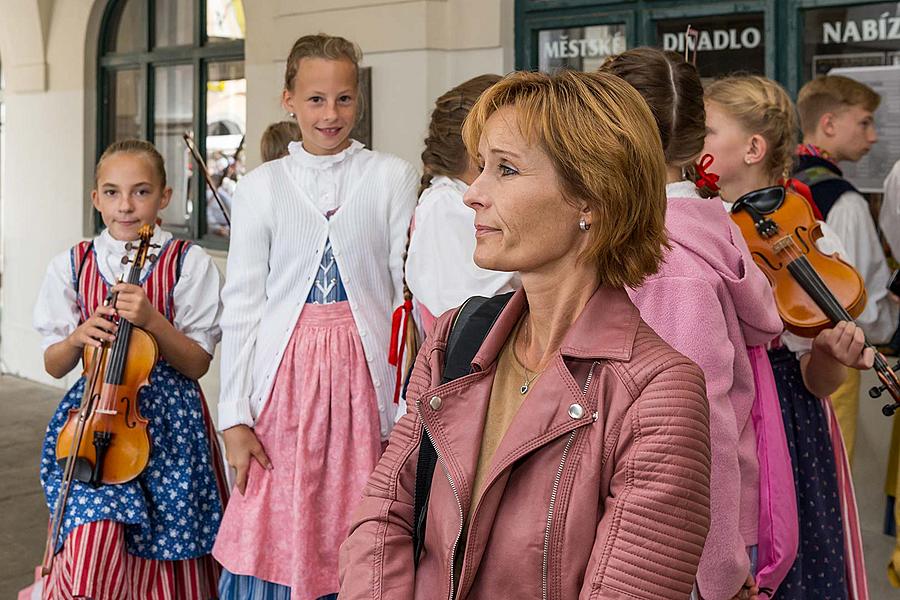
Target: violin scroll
{"x": 142, "y": 248}
{"x": 889, "y": 383}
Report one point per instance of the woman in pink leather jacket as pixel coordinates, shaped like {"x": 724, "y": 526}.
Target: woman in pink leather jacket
{"x": 573, "y": 461}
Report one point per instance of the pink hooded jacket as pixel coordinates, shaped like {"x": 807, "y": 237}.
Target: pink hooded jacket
{"x": 710, "y": 302}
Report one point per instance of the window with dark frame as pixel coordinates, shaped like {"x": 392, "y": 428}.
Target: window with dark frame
{"x": 170, "y": 67}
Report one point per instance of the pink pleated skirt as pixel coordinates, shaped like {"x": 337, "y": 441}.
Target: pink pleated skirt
{"x": 320, "y": 429}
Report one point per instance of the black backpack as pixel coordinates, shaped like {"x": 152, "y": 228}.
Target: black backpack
{"x": 472, "y": 324}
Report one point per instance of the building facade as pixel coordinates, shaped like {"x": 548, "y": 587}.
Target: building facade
{"x": 78, "y": 74}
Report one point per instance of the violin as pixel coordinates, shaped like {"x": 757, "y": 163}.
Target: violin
{"x": 813, "y": 290}
{"x": 105, "y": 440}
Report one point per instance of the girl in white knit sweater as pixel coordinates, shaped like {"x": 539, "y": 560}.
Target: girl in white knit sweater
{"x": 314, "y": 271}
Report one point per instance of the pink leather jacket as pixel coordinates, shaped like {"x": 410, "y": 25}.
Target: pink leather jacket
{"x": 599, "y": 489}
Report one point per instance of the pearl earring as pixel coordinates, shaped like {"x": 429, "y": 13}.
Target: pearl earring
{"x": 583, "y": 225}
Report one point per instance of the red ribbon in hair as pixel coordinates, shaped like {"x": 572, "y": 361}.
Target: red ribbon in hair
{"x": 399, "y": 324}
{"x": 706, "y": 178}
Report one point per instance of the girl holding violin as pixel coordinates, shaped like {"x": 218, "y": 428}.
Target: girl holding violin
{"x": 750, "y": 134}
{"x": 147, "y": 534}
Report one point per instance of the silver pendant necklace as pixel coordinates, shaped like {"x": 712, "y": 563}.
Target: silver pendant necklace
{"x": 526, "y": 384}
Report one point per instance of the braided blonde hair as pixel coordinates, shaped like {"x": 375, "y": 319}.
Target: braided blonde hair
{"x": 445, "y": 154}
{"x": 762, "y": 107}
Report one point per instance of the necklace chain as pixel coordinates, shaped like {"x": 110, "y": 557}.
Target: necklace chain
{"x": 526, "y": 384}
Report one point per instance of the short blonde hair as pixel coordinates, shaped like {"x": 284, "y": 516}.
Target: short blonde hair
{"x": 604, "y": 144}
{"x": 832, "y": 93}
{"x": 762, "y": 107}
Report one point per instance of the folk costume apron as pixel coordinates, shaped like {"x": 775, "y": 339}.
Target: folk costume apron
{"x": 320, "y": 430}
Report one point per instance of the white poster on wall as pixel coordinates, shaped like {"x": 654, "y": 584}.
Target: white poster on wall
{"x": 868, "y": 174}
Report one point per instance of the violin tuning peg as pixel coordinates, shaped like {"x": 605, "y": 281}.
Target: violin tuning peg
{"x": 129, "y": 246}
{"x": 125, "y": 260}
{"x": 155, "y": 246}
{"x": 152, "y": 258}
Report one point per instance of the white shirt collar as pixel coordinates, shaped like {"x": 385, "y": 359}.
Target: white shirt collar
{"x": 299, "y": 154}
{"x": 444, "y": 181}
{"x": 110, "y": 250}
{"x": 682, "y": 189}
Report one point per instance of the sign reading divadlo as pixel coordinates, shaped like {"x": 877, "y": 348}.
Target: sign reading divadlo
{"x": 723, "y": 43}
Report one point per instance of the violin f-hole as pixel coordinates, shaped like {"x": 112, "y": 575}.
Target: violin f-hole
{"x": 765, "y": 259}
{"x": 797, "y": 231}
{"x": 127, "y": 401}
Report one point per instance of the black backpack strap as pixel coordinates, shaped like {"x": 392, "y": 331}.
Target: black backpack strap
{"x": 471, "y": 325}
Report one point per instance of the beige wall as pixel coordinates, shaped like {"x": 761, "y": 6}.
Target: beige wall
{"x": 42, "y": 203}
{"x": 417, "y": 50}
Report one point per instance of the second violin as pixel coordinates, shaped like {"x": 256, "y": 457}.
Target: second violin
{"x": 813, "y": 290}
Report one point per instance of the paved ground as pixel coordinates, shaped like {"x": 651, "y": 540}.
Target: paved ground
{"x": 27, "y": 406}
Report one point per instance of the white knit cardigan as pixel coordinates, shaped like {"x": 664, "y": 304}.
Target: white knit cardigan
{"x": 278, "y": 234}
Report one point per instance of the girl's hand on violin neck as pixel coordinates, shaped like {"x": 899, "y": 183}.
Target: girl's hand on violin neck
{"x": 96, "y": 330}
{"x": 241, "y": 444}
{"x": 132, "y": 304}
{"x": 845, "y": 343}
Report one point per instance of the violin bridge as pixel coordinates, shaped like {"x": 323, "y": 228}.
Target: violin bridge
{"x": 106, "y": 411}
{"x": 782, "y": 243}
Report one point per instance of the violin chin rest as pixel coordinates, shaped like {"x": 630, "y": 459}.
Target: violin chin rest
{"x": 83, "y": 469}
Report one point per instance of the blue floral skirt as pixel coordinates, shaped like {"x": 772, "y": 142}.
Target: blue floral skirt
{"x": 172, "y": 510}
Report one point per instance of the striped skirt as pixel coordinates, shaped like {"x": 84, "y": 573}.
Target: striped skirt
{"x": 94, "y": 564}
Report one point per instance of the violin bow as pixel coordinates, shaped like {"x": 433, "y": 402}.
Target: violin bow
{"x": 65, "y": 484}
{"x": 189, "y": 142}
{"x": 694, "y": 34}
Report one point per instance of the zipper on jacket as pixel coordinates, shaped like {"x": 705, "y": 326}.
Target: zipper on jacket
{"x": 455, "y": 494}
{"x": 555, "y": 491}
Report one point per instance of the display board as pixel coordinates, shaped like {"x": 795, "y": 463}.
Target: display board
{"x": 863, "y": 35}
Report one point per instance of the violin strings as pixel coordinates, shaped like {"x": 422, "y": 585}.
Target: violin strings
{"x": 120, "y": 350}
{"x": 814, "y": 280}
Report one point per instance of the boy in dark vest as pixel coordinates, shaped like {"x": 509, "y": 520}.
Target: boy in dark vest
{"x": 837, "y": 119}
